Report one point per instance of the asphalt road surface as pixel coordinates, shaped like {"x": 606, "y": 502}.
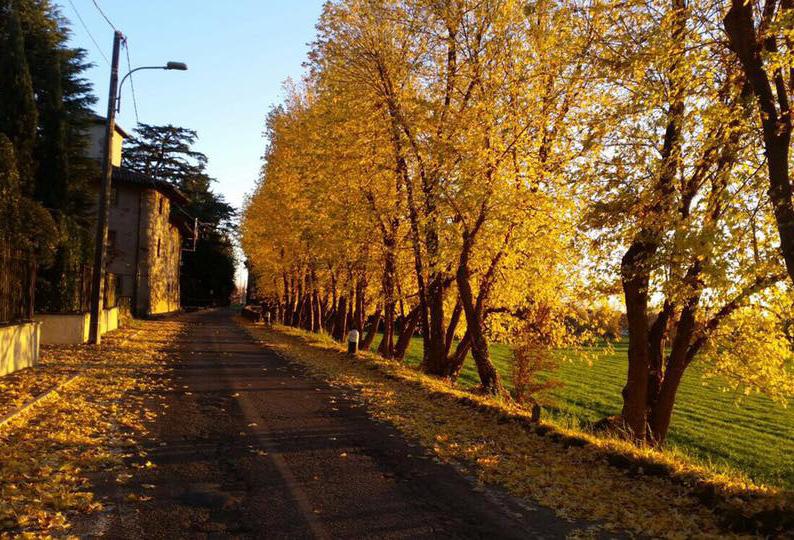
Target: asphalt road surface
{"x": 252, "y": 446}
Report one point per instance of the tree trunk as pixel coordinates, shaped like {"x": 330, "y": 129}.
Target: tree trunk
{"x": 300, "y": 312}
{"x": 361, "y": 305}
{"x": 386, "y": 347}
{"x": 298, "y": 294}
{"x": 411, "y": 320}
{"x": 453, "y": 325}
{"x": 635, "y": 266}
{"x": 404, "y": 180}
{"x": 287, "y": 316}
{"x": 656, "y": 344}
{"x": 489, "y": 377}
{"x": 317, "y": 317}
{"x": 459, "y": 358}
{"x": 780, "y": 192}
{"x": 340, "y": 324}
{"x": 366, "y": 344}
{"x": 310, "y": 311}
{"x": 635, "y": 291}
{"x": 776, "y": 120}
{"x": 437, "y": 359}
{"x": 661, "y": 412}
{"x": 351, "y": 304}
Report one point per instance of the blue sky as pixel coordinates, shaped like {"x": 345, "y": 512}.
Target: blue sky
{"x": 239, "y": 53}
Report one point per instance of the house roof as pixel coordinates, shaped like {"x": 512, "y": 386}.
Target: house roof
{"x": 128, "y": 176}
{"x": 95, "y": 118}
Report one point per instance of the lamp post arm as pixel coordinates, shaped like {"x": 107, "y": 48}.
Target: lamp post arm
{"x": 121, "y": 84}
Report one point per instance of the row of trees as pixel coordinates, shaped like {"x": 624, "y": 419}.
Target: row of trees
{"x": 484, "y": 170}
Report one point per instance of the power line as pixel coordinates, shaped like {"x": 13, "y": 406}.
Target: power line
{"x": 90, "y": 35}
{"x": 99, "y": 9}
{"x": 132, "y": 80}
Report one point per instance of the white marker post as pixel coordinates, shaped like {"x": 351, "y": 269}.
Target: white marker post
{"x": 352, "y": 342}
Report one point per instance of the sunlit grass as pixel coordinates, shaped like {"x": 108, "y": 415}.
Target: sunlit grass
{"x": 752, "y": 435}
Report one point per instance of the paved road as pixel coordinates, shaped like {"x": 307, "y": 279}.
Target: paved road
{"x": 252, "y": 446}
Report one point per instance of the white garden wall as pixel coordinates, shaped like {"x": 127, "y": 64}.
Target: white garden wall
{"x": 73, "y": 328}
{"x": 19, "y": 346}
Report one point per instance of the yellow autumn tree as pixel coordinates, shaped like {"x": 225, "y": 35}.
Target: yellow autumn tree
{"x": 477, "y": 170}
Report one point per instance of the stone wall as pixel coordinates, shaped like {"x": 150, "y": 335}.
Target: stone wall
{"x": 159, "y": 285}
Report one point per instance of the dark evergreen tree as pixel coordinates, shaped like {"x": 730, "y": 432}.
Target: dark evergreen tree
{"x": 18, "y": 114}
{"x": 44, "y": 108}
{"x": 27, "y": 228}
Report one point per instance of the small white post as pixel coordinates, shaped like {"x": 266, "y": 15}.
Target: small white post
{"x": 352, "y": 342}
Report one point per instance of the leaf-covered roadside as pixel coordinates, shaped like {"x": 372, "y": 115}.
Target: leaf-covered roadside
{"x": 576, "y": 481}
{"x": 57, "y": 363}
{"x": 48, "y": 453}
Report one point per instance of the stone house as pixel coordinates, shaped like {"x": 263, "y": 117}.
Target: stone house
{"x": 145, "y": 239}
{"x": 146, "y": 233}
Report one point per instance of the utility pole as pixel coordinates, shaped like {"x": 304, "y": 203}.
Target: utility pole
{"x": 103, "y": 214}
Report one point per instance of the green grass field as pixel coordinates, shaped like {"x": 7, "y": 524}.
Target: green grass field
{"x": 752, "y": 435}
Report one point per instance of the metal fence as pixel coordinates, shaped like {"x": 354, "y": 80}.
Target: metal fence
{"x": 64, "y": 292}
{"x": 17, "y": 284}
{"x": 84, "y": 286}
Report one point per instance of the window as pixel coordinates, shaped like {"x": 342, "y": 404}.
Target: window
{"x": 162, "y": 199}
{"x": 158, "y": 247}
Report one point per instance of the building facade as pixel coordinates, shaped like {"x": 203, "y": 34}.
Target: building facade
{"x": 146, "y": 233}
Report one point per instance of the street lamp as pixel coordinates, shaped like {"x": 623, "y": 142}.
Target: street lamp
{"x": 177, "y": 66}
{"x": 103, "y": 215}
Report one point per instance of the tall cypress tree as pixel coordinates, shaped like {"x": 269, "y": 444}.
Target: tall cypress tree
{"x": 44, "y": 108}
{"x": 25, "y": 225}
{"x": 18, "y": 113}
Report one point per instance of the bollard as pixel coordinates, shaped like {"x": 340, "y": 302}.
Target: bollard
{"x": 352, "y": 342}
{"x": 267, "y": 318}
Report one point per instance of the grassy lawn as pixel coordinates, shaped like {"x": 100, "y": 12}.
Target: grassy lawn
{"x": 753, "y": 435}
